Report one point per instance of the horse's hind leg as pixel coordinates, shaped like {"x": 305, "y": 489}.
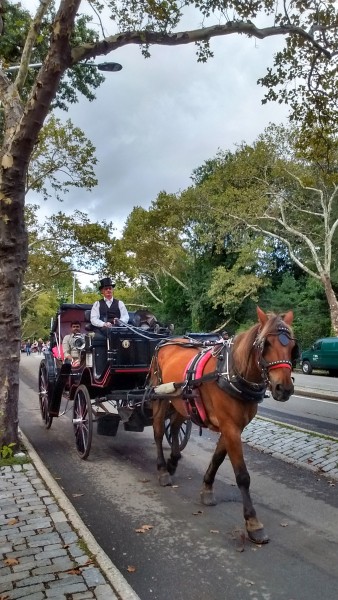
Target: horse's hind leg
{"x": 159, "y": 412}
{"x": 176, "y": 421}
{"x": 207, "y": 493}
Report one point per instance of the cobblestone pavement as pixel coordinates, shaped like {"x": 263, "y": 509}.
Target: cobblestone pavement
{"x": 296, "y": 446}
{"x": 41, "y": 554}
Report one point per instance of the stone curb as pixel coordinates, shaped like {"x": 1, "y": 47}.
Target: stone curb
{"x": 324, "y": 394}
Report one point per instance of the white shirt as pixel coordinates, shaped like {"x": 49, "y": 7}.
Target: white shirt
{"x": 95, "y": 312}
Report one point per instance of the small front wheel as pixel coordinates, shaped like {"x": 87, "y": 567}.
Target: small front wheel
{"x": 82, "y": 421}
{"x": 44, "y": 395}
{"x": 183, "y": 435}
{"x": 306, "y": 368}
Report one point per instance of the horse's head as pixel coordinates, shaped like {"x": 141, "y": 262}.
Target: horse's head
{"x": 277, "y": 350}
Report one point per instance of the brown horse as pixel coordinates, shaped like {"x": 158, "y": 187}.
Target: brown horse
{"x": 220, "y": 388}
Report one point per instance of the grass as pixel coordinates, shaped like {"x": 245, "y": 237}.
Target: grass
{"x": 14, "y": 460}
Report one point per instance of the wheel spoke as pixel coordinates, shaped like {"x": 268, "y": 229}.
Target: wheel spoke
{"x": 82, "y": 421}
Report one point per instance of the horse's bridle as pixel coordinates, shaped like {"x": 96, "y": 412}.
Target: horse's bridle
{"x": 285, "y": 337}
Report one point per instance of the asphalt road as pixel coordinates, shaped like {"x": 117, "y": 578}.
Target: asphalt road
{"x": 193, "y": 551}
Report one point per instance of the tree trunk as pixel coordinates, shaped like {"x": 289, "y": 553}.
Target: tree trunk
{"x": 333, "y": 303}
{"x": 13, "y": 260}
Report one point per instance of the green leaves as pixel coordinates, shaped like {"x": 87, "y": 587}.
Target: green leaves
{"x": 62, "y": 159}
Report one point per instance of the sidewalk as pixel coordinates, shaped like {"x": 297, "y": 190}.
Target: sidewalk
{"x": 294, "y": 445}
{"x": 46, "y": 551}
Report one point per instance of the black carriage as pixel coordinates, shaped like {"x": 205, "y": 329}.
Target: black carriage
{"x": 107, "y": 387}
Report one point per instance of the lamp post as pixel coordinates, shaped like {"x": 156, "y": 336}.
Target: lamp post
{"x": 106, "y": 66}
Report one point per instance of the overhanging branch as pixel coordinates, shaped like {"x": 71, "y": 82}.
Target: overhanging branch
{"x": 104, "y": 47}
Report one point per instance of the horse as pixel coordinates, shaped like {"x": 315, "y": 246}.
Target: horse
{"x": 219, "y": 388}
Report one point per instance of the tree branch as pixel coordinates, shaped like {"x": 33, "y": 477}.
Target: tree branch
{"x": 104, "y": 47}
{"x": 29, "y": 43}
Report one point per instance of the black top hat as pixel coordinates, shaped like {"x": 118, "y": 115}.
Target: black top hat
{"x": 106, "y": 282}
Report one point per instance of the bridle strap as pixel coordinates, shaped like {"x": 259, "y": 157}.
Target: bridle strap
{"x": 279, "y": 364}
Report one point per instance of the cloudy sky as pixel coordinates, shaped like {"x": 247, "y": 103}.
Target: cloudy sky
{"x": 158, "y": 119}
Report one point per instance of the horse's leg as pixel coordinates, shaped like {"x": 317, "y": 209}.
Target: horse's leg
{"x": 176, "y": 421}
{"x": 254, "y": 527}
{"x": 207, "y": 493}
{"x": 159, "y": 412}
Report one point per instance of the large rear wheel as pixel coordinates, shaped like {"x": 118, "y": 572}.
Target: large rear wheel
{"x": 44, "y": 390}
{"x": 183, "y": 435}
{"x": 82, "y": 421}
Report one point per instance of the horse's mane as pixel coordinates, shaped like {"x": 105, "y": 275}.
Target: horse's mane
{"x": 243, "y": 342}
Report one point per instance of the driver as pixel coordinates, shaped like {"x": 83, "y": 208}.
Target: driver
{"x": 68, "y": 344}
{"x": 108, "y": 311}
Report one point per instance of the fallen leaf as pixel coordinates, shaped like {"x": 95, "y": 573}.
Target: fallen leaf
{"x": 4, "y": 597}
{"x": 74, "y": 572}
{"x": 88, "y": 562}
{"x": 131, "y": 569}
{"x": 144, "y": 528}
{"x": 11, "y": 562}
{"x": 13, "y": 521}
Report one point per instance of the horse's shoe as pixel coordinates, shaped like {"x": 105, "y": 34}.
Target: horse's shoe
{"x": 164, "y": 479}
{"x": 258, "y": 536}
{"x": 208, "y": 498}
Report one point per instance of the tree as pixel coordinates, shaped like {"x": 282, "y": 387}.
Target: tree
{"x": 62, "y": 158}
{"x": 276, "y": 189}
{"x": 59, "y": 247}
{"x": 24, "y": 111}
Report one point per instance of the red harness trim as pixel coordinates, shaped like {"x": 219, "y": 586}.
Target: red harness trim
{"x": 280, "y": 366}
{"x": 197, "y": 402}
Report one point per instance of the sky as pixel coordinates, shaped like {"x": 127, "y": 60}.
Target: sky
{"x": 158, "y": 119}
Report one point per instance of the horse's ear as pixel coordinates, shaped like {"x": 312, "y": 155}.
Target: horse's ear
{"x": 288, "y": 317}
{"x": 262, "y": 317}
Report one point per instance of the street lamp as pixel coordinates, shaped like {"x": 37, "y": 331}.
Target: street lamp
{"x": 106, "y": 66}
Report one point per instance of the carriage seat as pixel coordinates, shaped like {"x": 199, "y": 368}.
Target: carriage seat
{"x": 88, "y": 325}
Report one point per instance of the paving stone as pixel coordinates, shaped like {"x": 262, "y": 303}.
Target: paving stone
{"x": 93, "y": 576}
{"x": 25, "y": 592}
{"x": 104, "y": 592}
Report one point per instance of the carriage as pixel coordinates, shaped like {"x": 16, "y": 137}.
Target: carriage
{"x": 107, "y": 387}
{"x": 140, "y": 375}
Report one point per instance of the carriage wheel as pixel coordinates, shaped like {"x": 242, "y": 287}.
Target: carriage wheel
{"x": 82, "y": 421}
{"x": 183, "y": 435}
{"x": 43, "y": 395}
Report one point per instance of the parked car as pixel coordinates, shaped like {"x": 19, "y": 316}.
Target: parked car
{"x": 323, "y": 354}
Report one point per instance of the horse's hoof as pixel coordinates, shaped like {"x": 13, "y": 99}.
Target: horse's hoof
{"x": 171, "y": 468}
{"x": 259, "y": 536}
{"x": 164, "y": 479}
{"x": 208, "y": 498}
